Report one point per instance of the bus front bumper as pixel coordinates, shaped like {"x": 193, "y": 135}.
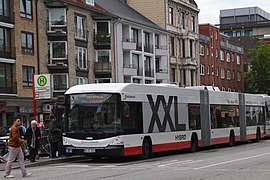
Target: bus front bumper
{"x": 109, "y": 151}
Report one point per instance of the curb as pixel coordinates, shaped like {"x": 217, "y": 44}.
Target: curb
{"x": 48, "y": 162}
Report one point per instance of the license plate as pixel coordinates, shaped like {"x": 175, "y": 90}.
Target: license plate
{"x": 89, "y": 150}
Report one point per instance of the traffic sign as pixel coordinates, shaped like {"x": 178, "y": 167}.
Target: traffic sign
{"x": 43, "y": 86}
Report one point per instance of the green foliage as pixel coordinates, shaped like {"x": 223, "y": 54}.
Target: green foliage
{"x": 258, "y": 79}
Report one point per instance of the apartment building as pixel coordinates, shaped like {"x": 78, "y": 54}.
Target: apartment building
{"x": 18, "y": 59}
{"x": 140, "y": 45}
{"x": 221, "y": 60}
{"x": 75, "y": 46}
{"x": 180, "y": 19}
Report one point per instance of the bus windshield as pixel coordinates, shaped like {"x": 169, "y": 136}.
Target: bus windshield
{"x": 93, "y": 114}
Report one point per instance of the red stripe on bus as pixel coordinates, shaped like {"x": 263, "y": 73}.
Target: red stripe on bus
{"x": 132, "y": 151}
{"x": 220, "y": 140}
{"x": 251, "y": 136}
{"x": 170, "y": 146}
{"x": 237, "y": 138}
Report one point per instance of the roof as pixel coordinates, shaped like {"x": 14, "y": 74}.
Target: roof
{"x": 123, "y": 11}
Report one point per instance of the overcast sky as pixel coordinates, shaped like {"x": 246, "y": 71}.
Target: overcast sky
{"x": 209, "y": 9}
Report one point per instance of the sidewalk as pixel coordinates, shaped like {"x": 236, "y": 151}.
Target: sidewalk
{"x": 43, "y": 161}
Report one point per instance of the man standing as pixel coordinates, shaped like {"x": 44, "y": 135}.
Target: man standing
{"x": 15, "y": 150}
{"x": 32, "y": 137}
{"x": 55, "y": 138}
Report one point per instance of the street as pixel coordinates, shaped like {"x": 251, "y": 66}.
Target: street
{"x": 245, "y": 161}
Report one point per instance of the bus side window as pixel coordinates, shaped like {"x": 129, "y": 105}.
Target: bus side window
{"x": 132, "y": 117}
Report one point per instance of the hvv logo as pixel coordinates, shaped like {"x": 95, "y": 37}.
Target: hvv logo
{"x": 167, "y": 119}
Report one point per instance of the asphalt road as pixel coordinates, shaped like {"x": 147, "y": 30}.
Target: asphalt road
{"x": 247, "y": 161}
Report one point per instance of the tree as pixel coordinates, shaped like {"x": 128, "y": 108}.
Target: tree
{"x": 258, "y": 79}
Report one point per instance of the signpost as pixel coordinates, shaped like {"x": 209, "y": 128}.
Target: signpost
{"x": 41, "y": 89}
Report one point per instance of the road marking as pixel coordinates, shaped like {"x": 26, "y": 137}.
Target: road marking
{"x": 177, "y": 162}
{"x": 231, "y": 161}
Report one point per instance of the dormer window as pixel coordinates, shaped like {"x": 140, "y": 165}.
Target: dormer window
{"x": 90, "y": 2}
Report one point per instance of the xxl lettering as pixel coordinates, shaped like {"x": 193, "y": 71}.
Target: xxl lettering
{"x": 167, "y": 117}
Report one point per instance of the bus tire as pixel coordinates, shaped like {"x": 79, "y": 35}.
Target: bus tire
{"x": 194, "y": 143}
{"x": 232, "y": 139}
{"x": 146, "y": 148}
{"x": 258, "y": 135}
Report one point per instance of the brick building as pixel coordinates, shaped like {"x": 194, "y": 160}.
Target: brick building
{"x": 18, "y": 59}
{"x": 221, "y": 61}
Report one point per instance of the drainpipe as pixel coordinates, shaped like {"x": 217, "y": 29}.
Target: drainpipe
{"x": 116, "y": 49}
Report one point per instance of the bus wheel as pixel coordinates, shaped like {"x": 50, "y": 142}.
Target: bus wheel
{"x": 146, "y": 148}
{"x": 194, "y": 143}
{"x": 258, "y": 135}
{"x": 232, "y": 139}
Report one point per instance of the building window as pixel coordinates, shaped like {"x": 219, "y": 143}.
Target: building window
{"x": 5, "y": 8}
{"x": 58, "y": 50}
{"x": 183, "y": 24}
{"x": 135, "y": 61}
{"x": 103, "y": 56}
{"x": 5, "y": 75}
{"x": 233, "y": 74}
{"x": 217, "y": 53}
{"x": 208, "y": 70}
{"x": 216, "y": 35}
{"x": 27, "y": 76}
{"x": 80, "y": 27}
{"x": 191, "y": 48}
{"x": 26, "y": 9}
{"x": 222, "y": 55}
{"x": 156, "y": 40}
{"x": 202, "y": 69}
{"x": 193, "y": 27}
{"x": 217, "y": 71}
{"x": 60, "y": 82}
{"x": 57, "y": 17}
{"x": 172, "y": 47}
{"x": 134, "y": 35}
{"x": 104, "y": 80}
{"x": 201, "y": 50}
{"x": 81, "y": 56}
{"x": 173, "y": 75}
{"x": 228, "y": 57}
{"x": 222, "y": 73}
{"x": 171, "y": 15}
{"x": 228, "y": 74}
{"x": 146, "y": 36}
{"x": 213, "y": 71}
{"x": 90, "y": 2}
{"x": 207, "y": 51}
{"x": 27, "y": 42}
{"x": 82, "y": 80}
{"x": 233, "y": 57}
{"x": 239, "y": 76}
{"x": 183, "y": 48}
{"x": 5, "y": 40}
{"x": 238, "y": 59}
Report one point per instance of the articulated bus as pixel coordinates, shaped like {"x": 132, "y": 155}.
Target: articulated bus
{"x": 120, "y": 119}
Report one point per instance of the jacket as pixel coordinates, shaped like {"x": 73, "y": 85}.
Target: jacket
{"x": 14, "y": 137}
{"x": 28, "y": 136}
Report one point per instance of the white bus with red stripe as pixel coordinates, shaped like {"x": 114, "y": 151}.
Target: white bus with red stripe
{"x": 120, "y": 119}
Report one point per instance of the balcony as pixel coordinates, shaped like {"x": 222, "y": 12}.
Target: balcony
{"x": 132, "y": 70}
{"x": 138, "y": 46}
{"x": 149, "y": 73}
{"x": 12, "y": 89}
{"x": 148, "y": 48}
{"x": 161, "y": 50}
{"x": 103, "y": 67}
{"x": 102, "y": 38}
{"x": 129, "y": 44}
{"x": 5, "y": 16}
{"x": 57, "y": 28}
{"x": 162, "y": 74}
{"x": 81, "y": 34}
{"x": 7, "y": 52}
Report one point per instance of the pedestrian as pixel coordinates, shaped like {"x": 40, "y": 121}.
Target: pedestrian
{"x": 55, "y": 138}
{"x": 15, "y": 150}
{"x": 32, "y": 137}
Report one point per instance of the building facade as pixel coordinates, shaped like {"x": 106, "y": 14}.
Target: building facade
{"x": 249, "y": 21}
{"x": 222, "y": 61}
{"x": 140, "y": 46}
{"x": 18, "y": 60}
{"x": 180, "y": 19}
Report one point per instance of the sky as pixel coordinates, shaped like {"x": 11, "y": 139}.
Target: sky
{"x": 209, "y": 9}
